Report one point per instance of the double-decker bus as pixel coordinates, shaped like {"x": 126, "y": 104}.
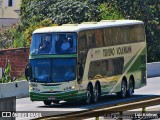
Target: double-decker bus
{"x": 86, "y": 61}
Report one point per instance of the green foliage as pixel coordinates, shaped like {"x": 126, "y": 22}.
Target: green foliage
{"x": 6, "y": 77}
{"x": 28, "y": 32}
{"x": 18, "y": 38}
{"x": 73, "y": 11}
{"x": 109, "y": 12}
{"x": 60, "y": 11}
{"x": 6, "y": 39}
{"x": 12, "y": 38}
{"x": 77, "y": 11}
{"x": 40, "y": 13}
{"x": 147, "y": 11}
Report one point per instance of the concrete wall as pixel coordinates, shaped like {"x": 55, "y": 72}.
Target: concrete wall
{"x": 18, "y": 89}
{"x": 10, "y": 11}
{"x": 153, "y": 69}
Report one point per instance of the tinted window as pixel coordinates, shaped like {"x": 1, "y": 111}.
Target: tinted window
{"x": 55, "y": 70}
{"x": 123, "y": 35}
{"x": 91, "y": 40}
{"x": 41, "y": 70}
{"x": 63, "y": 70}
{"x": 99, "y": 38}
{"x": 103, "y": 68}
{"x": 53, "y": 43}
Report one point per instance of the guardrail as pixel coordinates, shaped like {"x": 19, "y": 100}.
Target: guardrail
{"x": 96, "y": 112}
{"x": 18, "y": 89}
{"x": 153, "y": 69}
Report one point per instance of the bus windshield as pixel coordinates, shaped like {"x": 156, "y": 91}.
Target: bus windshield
{"x": 53, "y": 70}
{"x": 53, "y": 43}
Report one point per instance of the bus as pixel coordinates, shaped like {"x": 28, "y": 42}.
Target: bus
{"x": 86, "y": 61}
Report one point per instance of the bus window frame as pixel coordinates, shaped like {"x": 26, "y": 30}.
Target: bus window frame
{"x": 76, "y": 38}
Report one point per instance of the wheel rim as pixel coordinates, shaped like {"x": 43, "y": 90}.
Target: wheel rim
{"x": 131, "y": 88}
{"x": 88, "y": 97}
{"x": 124, "y": 89}
{"x": 96, "y": 95}
{"x": 47, "y": 102}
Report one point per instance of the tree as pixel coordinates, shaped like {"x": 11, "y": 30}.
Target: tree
{"x": 147, "y": 11}
{"x": 36, "y": 12}
{"x": 109, "y": 11}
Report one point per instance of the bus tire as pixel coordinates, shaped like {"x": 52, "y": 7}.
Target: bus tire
{"x": 123, "y": 92}
{"x": 131, "y": 88}
{"x": 46, "y": 102}
{"x": 56, "y": 101}
{"x": 96, "y": 93}
{"x": 89, "y": 95}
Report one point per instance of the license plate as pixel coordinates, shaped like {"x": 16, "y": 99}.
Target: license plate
{"x": 51, "y": 98}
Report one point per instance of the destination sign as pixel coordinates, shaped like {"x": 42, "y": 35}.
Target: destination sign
{"x": 117, "y": 51}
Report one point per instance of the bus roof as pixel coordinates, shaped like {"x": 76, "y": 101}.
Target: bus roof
{"x": 86, "y": 26}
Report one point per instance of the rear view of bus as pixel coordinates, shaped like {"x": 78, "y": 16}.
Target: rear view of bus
{"x": 86, "y": 61}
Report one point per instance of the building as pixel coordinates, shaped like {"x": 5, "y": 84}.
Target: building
{"x": 9, "y": 13}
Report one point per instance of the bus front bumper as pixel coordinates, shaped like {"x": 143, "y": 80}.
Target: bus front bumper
{"x": 66, "y": 96}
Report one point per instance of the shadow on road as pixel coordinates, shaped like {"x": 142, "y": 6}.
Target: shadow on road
{"x": 106, "y": 100}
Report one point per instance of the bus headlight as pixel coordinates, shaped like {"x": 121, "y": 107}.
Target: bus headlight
{"x": 73, "y": 87}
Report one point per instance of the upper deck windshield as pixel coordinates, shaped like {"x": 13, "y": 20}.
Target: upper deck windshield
{"x": 53, "y": 43}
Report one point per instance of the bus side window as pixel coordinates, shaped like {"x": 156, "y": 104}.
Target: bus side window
{"x": 99, "y": 38}
{"x": 91, "y": 39}
{"x": 58, "y": 45}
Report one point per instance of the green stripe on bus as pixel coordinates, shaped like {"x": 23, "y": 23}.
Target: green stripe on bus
{"x": 137, "y": 65}
{"x": 40, "y": 97}
{"x": 126, "y": 66}
{"x": 52, "y": 56}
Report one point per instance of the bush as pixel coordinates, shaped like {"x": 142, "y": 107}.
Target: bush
{"x": 6, "y": 76}
{"x": 109, "y": 12}
{"x": 28, "y": 32}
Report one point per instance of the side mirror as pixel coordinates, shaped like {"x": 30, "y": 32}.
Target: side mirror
{"x": 28, "y": 71}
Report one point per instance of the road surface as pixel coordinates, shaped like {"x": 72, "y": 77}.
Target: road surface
{"x": 24, "y": 104}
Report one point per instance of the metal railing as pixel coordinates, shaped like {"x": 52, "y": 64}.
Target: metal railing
{"x": 101, "y": 111}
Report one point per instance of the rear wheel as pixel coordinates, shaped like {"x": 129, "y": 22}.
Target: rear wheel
{"x": 46, "y": 102}
{"x": 89, "y": 95}
{"x": 96, "y": 93}
{"x": 123, "y": 91}
{"x": 131, "y": 89}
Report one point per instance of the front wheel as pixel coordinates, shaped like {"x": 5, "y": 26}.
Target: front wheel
{"x": 46, "y": 102}
{"x": 56, "y": 101}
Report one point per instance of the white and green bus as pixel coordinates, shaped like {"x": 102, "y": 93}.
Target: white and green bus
{"x": 86, "y": 61}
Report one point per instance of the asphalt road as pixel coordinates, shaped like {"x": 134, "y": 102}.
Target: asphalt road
{"x": 24, "y": 104}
